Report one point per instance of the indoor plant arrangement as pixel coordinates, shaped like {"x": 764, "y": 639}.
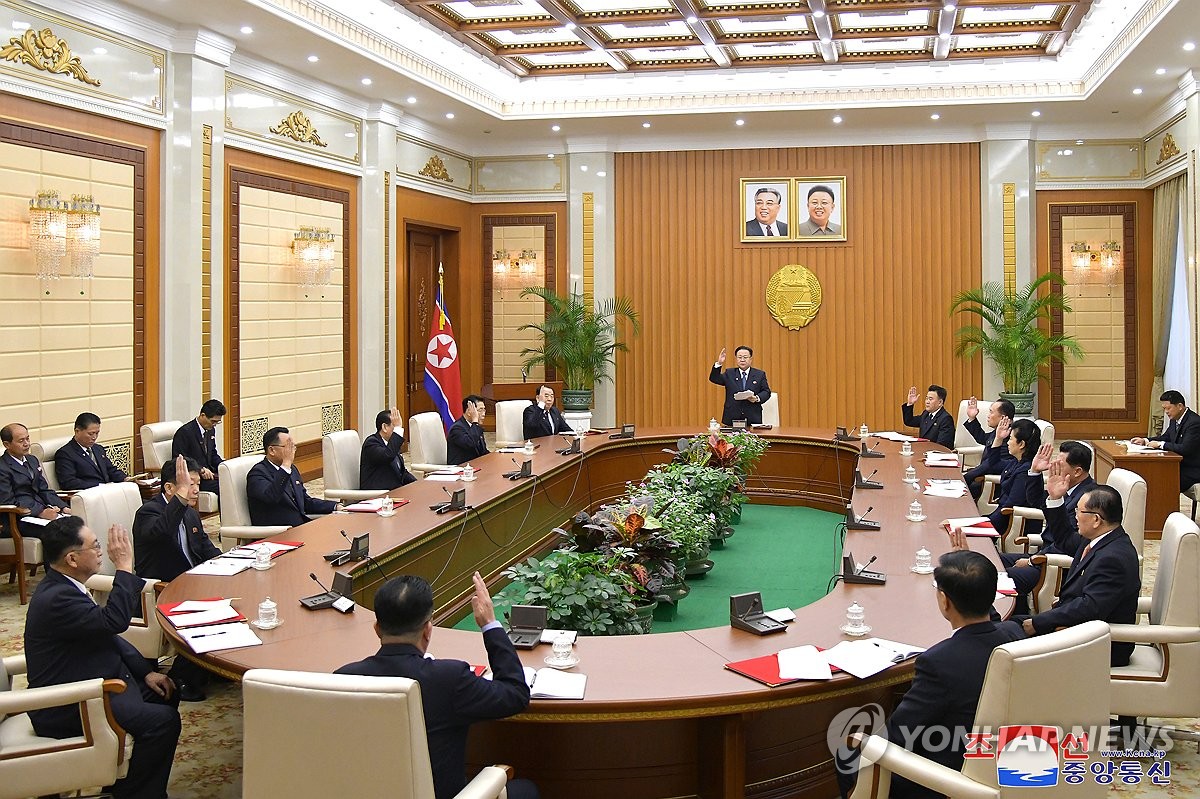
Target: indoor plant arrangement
{"x": 1012, "y": 333}
{"x": 583, "y": 591}
{"x": 579, "y": 342}
{"x": 715, "y": 487}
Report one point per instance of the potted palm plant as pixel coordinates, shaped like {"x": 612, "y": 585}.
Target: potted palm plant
{"x": 1012, "y": 333}
{"x": 579, "y": 342}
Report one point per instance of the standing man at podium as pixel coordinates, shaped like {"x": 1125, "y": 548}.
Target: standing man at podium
{"x": 746, "y": 388}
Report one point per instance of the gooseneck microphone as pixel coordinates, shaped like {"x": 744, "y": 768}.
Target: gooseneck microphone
{"x": 865, "y": 479}
{"x": 318, "y": 582}
{"x": 863, "y": 568}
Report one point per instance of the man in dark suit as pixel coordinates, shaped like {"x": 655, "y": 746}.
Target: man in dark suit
{"x": 464, "y": 440}
{"x": 743, "y": 381}
{"x": 198, "y": 441}
{"x": 1103, "y": 582}
{"x": 453, "y": 697}
{"x": 995, "y": 457}
{"x": 274, "y": 489}
{"x": 949, "y": 675}
{"x": 1181, "y": 436}
{"x": 935, "y": 423}
{"x": 168, "y": 540}
{"x": 380, "y": 465}
{"x": 541, "y": 418}
{"x": 68, "y": 637}
{"x": 23, "y": 483}
{"x": 82, "y": 463}
{"x": 767, "y": 204}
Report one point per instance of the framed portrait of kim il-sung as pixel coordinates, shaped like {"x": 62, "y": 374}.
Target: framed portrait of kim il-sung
{"x": 765, "y": 210}
{"x": 820, "y": 209}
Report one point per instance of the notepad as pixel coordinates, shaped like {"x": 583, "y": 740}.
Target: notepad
{"x": 941, "y": 459}
{"x": 200, "y": 613}
{"x": 860, "y": 658}
{"x": 276, "y": 548}
{"x": 550, "y": 683}
{"x": 1005, "y": 586}
{"x": 373, "y": 505}
{"x": 893, "y": 436}
{"x": 222, "y": 567}
{"x": 973, "y": 526}
{"x": 221, "y": 636}
{"x": 803, "y": 663}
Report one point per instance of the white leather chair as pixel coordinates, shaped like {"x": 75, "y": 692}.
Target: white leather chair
{"x": 770, "y": 410}
{"x": 1046, "y": 429}
{"x": 1024, "y": 685}
{"x": 378, "y": 721}
{"x": 426, "y": 443}
{"x": 964, "y": 443}
{"x": 156, "y": 450}
{"x": 1193, "y": 493}
{"x": 45, "y": 451}
{"x": 509, "y": 416}
{"x": 104, "y": 505}
{"x": 1164, "y": 670}
{"x": 34, "y": 766}
{"x": 340, "y": 453}
{"x": 236, "y": 526}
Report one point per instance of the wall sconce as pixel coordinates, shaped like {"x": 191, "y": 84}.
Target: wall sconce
{"x": 312, "y": 252}
{"x": 58, "y": 229}
{"x": 528, "y": 266}
{"x": 1110, "y": 256}
{"x": 1081, "y": 256}
{"x": 500, "y": 264}
{"x": 83, "y": 235}
{"x": 520, "y": 270}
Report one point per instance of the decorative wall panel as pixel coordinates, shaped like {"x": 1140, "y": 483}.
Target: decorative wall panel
{"x": 266, "y": 114}
{"x": 1070, "y": 161}
{"x": 520, "y": 175}
{"x": 435, "y": 166}
{"x": 1166, "y": 147}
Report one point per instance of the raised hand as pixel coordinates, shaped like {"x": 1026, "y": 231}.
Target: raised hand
{"x": 972, "y": 408}
{"x": 481, "y": 602}
{"x": 721, "y": 358}
{"x": 1058, "y": 480}
{"x": 1041, "y": 461}
{"x": 120, "y": 548}
{"x": 1002, "y": 430}
{"x": 183, "y": 478}
{"x": 912, "y": 395}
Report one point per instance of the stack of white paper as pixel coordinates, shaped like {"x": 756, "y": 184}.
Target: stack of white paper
{"x": 945, "y": 488}
{"x": 900, "y": 652}
{"x": 892, "y": 436}
{"x": 803, "y": 663}
{"x": 222, "y": 567}
{"x": 550, "y": 683}
{"x": 1140, "y": 449}
{"x": 941, "y": 459}
{"x": 860, "y": 658}
{"x": 550, "y": 636}
{"x": 190, "y": 614}
{"x": 220, "y": 636}
{"x": 366, "y": 506}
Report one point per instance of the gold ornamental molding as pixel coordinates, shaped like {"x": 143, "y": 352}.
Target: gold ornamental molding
{"x": 298, "y": 127}
{"x": 435, "y": 168}
{"x": 1168, "y": 150}
{"x": 45, "y": 51}
{"x": 794, "y": 296}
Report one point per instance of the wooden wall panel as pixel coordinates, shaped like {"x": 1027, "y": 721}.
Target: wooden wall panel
{"x": 914, "y": 241}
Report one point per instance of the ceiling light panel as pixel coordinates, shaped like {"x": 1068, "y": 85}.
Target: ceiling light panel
{"x": 564, "y": 60}
{"x": 618, "y": 32}
{"x": 611, "y": 6}
{"x": 982, "y": 15}
{"x": 525, "y": 36}
{"x": 660, "y": 54}
{"x": 475, "y": 12}
{"x": 904, "y": 44}
{"x": 788, "y": 50}
{"x": 921, "y": 18}
{"x": 982, "y": 41}
{"x": 792, "y": 24}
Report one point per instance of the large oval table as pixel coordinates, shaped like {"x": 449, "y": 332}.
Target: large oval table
{"x": 662, "y": 717}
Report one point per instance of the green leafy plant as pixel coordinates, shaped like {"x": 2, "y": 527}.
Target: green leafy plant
{"x": 716, "y": 488}
{"x": 750, "y": 449}
{"x": 584, "y": 591}
{"x": 682, "y": 516}
{"x": 627, "y": 532}
{"x": 579, "y": 342}
{"x": 1011, "y": 333}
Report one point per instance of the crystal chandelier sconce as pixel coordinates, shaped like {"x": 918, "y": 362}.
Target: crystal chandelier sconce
{"x": 528, "y": 266}
{"x": 48, "y": 235}
{"x": 1110, "y": 261}
{"x": 83, "y": 235}
{"x": 313, "y": 253}
{"x": 1081, "y": 258}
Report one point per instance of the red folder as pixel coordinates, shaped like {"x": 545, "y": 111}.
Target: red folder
{"x": 168, "y": 610}
{"x": 292, "y": 544}
{"x": 396, "y": 503}
{"x": 765, "y": 669}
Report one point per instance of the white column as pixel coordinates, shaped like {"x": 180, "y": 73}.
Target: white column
{"x": 1190, "y": 86}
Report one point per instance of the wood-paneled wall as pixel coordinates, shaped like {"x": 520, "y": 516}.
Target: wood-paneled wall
{"x": 913, "y": 242}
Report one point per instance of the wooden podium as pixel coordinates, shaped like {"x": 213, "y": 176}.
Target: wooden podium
{"x": 1160, "y": 471}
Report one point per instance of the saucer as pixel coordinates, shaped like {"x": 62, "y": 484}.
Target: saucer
{"x": 855, "y": 631}
{"x": 471, "y": 479}
{"x": 257, "y": 568}
{"x": 555, "y": 663}
{"x": 920, "y": 518}
{"x": 921, "y": 569}
{"x": 385, "y": 513}
{"x": 260, "y": 626}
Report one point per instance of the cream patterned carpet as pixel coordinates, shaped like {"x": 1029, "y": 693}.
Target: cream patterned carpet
{"x": 208, "y": 763}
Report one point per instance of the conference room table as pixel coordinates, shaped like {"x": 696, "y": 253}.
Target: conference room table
{"x": 662, "y": 716}
{"x": 1159, "y": 469}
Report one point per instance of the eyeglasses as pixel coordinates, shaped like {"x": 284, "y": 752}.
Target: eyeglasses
{"x": 1092, "y": 512}
{"x": 96, "y": 546}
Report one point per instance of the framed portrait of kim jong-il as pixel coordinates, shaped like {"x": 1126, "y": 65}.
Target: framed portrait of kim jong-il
{"x": 765, "y": 210}
{"x": 819, "y": 209}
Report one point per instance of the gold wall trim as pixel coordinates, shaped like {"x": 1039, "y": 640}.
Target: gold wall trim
{"x": 45, "y": 51}
{"x": 1168, "y": 150}
{"x": 388, "y": 352}
{"x": 1010, "y": 237}
{"x": 206, "y": 154}
{"x": 298, "y": 127}
{"x": 303, "y": 126}
{"x": 435, "y": 168}
{"x": 589, "y": 248}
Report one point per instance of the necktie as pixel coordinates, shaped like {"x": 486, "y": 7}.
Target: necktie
{"x": 1086, "y": 550}
{"x": 183, "y": 544}
{"x": 549, "y": 425}
{"x": 1171, "y": 432}
{"x": 770, "y": 231}
{"x": 91, "y": 455}
{"x": 743, "y": 381}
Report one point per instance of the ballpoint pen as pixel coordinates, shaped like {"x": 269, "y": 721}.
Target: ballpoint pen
{"x": 207, "y": 635}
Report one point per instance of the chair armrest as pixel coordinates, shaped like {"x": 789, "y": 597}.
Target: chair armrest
{"x": 1144, "y": 603}
{"x": 1028, "y": 513}
{"x": 970, "y": 449}
{"x": 1057, "y": 561}
{"x": 991, "y": 478}
{"x": 15, "y": 509}
{"x": 898, "y": 760}
{"x": 1154, "y": 634}
{"x": 15, "y": 664}
{"x": 353, "y": 495}
{"x": 70, "y": 693}
{"x": 488, "y": 784}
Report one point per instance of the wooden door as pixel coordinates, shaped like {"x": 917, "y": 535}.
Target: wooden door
{"x": 424, "y": 253}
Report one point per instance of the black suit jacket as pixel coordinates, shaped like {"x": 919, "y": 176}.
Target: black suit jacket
{"x": 534, "y": 424}
{"x": 995, "y": 459}
{"x": 69, "y": 637}
{"x": 277, "y": 497}
{"x": 156, "y": 547}
{"x": 464, "y": 441}
{"x": 1012, "y": 491}
{"x": 1104, "y": 585}
{"x": 945, "y": 692}
{"x": 731, "y": 379}
{"x": 938, "y": 428}
{"x": 453, "y": 698}
{"x": 754, "y": 228}
{"x": 75, "y": 470}
{"x": 380, "y": 465}
{"x": 21, "y": 486}
{"x": 197, "y": 443}
{"x": 1183, "y": 438}
{"x": 1060, "y": 535}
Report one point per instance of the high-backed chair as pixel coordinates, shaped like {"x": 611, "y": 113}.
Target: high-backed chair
{"x": 236, "y": 526}
{"x": 104, "y": 505}
{"x": 1046, "y": 429}
{"x": 964, "y": 443}
{"x": 45, "y": 451}
{"x": 770, "y": 410}
{"x": 34, "y": 766}
{"x": 426, "y": 443}
{"x": 156, "y": 450}
{"x": 340, "y": 453}
{"x": 380, "y": 721}
{"x": 1164, "y": 670}
{"x": 509, "y": 415}
{"x": 16, "y": 551}
{"x": 1024, "y": 685}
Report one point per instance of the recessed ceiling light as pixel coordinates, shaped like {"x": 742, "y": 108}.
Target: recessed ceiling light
{"x": 583, "y": 167}
{"x": 943, "y": 36}
{"x": 570, "y": 26}
{"x": 549, "y": 155}
{"x": 739, "y": 122}
{"x": 601, "y": 174}
{"x": 1189, "y": 46}
{"x": 1160, "y": 71}
{"x": 350, "y": 135}
{"x": 366, "y": 81}
{"x": 556, "y": 128}
{"x": 411, "y": 100}
{"x": 837, "y": 120}
{"x": 246, "y": 29}
{"x": 692, "y": 20}
{"x": 1079, "y": 141}
{"x": 1035, "y": 113}
{"x": 312, "y": 59}
{"x": 1068, "y": 151}
{"x": 818, "y": 13}
{"x": 1138, "y": 90}
{"x": 99, "y": 51}
{"x": 949, "y": 6}
{"x": 645, "y": 124}
{"x": 449, "y": 115}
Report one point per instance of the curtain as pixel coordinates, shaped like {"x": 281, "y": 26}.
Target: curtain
{"x": 1169, "y": 198}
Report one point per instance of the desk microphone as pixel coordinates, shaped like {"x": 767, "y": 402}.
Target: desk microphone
{"x": 865, "y": 479}
{"x": 318, "y": 582}
{"x": 870, "y": 453}
{"x": 329, "y": 599}
{"x": 863, "y": 568}
{"x": 859, "y": 522}
{"x": 865, "y": 482}
{"x": 370, "y": 559}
